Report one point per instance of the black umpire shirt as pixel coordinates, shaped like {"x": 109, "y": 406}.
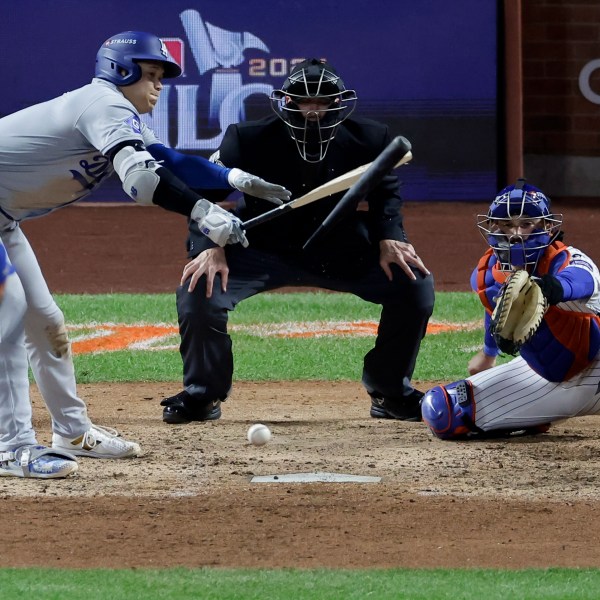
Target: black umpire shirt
{"x": 265, "y": 148}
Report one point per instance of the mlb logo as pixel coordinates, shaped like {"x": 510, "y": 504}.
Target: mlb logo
{"x": 176, "y": 49}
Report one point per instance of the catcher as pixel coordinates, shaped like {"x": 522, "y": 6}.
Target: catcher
{"x": 542, "y": 302}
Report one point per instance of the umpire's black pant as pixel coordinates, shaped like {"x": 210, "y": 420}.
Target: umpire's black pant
{"x": 206, "y": 347}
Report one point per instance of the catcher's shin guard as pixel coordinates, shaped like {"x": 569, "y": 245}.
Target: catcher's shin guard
{"x": 449, "y": 410}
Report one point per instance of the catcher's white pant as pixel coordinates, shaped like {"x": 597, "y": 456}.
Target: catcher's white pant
{"x": 513, "y": 396}
{"x": 28, "y": 318}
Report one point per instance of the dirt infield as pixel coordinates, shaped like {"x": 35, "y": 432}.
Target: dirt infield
{"x": 189, "y": 501}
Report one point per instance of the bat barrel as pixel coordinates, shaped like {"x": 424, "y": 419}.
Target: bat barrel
{"x": 378, "y": 169}
{"x": 398, "y": 148}
{"x": 392, "y": 154}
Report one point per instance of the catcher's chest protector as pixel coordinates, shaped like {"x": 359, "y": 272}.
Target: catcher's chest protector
{"x": 566, "y": 342}
{"x": 490, "y": 278}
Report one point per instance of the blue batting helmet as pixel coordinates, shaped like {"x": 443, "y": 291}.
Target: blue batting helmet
{"x": 118, "y": 56}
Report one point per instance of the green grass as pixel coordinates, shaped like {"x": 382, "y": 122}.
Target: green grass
{"x": 442, "y": 357}
{"x": 263, "y": 308}
{"x": 263, "y": 584}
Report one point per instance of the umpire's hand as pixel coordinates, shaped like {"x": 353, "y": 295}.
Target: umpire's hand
{"x": 209, "y": 263}
{"x": 401, "y": 254}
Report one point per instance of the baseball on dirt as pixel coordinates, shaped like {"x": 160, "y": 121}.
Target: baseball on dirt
{"x": 259, "y": 434}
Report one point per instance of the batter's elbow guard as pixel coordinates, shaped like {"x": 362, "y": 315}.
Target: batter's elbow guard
{"x": 137, "y": 171}
{"x": 449, "y": 411}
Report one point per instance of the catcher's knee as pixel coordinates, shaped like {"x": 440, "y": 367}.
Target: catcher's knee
{"x": 449, "y": 410}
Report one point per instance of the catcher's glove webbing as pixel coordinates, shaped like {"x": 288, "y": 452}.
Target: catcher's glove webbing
{"x": 519, "y": 311}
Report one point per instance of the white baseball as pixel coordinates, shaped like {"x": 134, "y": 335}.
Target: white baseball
{"x": 259, "y": 434}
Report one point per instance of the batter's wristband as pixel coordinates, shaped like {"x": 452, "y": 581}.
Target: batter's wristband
{"x": 172, "y": 194}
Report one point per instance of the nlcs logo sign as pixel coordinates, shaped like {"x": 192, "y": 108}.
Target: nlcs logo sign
{"x": 217, "y": 53}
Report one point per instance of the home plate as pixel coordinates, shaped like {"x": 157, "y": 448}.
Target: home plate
{"x": 314, "y": 478}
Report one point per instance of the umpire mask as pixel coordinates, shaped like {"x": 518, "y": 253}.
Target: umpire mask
{"x": 312, "y": 103}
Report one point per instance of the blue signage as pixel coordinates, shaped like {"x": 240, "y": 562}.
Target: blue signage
{"x": 428, "y": 69}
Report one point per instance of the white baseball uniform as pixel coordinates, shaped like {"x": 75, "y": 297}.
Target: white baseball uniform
{"x": 15, "y": 408}
{"x": 51, "y": 155}
{"x": 514, "y": 395}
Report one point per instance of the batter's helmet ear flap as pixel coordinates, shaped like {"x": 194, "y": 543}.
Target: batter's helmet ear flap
{"x": 118, "y": 57}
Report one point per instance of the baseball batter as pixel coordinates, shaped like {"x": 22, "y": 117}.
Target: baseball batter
{"x": 56, "y": 153}
{"x": 557, "y": 374}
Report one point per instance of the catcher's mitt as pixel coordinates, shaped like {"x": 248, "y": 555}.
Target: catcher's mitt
{"x": 519, "y": 311}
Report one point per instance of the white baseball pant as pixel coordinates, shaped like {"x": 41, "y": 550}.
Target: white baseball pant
{"x": 15, "y": 407}
{"x": 44, "y": 337}
{"x": 514, "y": 396}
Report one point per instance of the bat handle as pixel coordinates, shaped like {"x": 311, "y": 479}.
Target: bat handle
{"x": 267, "y": 216}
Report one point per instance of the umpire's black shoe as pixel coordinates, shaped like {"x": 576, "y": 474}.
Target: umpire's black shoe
{"x": 183, "y": 408}
{"x": 407, "y": 408}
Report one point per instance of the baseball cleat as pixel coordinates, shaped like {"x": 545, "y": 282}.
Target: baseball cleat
{"x": 37, "y": 462}
{"x": 97, "y": 442}
{"x": 184, "y": 408}
{"x": 402, "y": 409}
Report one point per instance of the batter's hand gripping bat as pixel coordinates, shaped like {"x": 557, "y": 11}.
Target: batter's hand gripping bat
{"x": 395, "y": 154}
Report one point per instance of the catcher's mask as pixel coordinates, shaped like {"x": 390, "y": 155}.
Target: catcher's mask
{"x": 519, "y": 226}
{"x": 313, "y": 82}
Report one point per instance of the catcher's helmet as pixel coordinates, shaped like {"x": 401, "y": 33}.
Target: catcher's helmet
{"x": 513, "y": 205}
{"x": 118, "y": 56}
{"x": 313, "y": 79}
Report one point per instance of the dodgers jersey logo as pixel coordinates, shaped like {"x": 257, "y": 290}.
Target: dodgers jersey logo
{"x": 93, "y": 172}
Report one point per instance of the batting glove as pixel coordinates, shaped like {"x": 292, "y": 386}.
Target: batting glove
{"x": 255, "y": 186}
{"x": 217, "y": 224}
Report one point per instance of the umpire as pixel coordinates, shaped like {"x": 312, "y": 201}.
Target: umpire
{"x": 310, "y": 140}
